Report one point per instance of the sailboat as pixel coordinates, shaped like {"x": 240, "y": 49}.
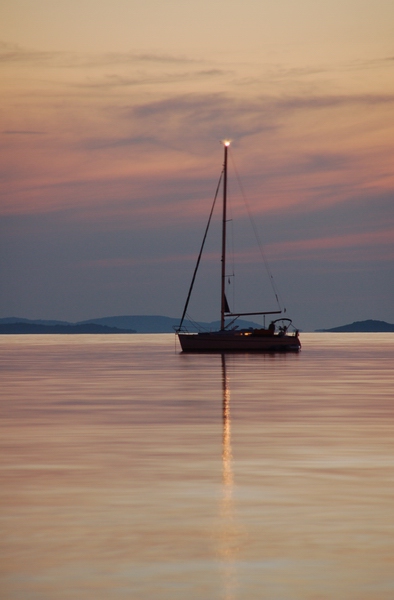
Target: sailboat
{"x": 280, "y": 336}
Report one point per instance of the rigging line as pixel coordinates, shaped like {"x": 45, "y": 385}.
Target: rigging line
{"x": 201, "y": 249}
{"x": 259, "y": 243}
{"x": 231, "y": 275}
{"x": 196, "y": 324}
{"x": 233, "y": 290}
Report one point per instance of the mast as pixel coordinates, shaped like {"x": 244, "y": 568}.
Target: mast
{"x": 226, "y": 144}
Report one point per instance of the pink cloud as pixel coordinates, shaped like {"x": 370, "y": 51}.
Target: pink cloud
{"x": 326, "y": 245}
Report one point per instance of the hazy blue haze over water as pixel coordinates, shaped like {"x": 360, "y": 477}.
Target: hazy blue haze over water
{"x": 129, "y": 470}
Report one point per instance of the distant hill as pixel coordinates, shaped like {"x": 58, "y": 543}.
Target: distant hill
{"x": 10, "y": 320}
{"x": 153, "y": 324}
{"x": 122, "y": 324}
{"x": 140, "y": 324}
{"x": 24, "y": 327}
{"x": 159, "y": 324}
{"x": 369, "y": 326}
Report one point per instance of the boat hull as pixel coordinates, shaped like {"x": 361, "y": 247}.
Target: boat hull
{"x": 229, "y": 342}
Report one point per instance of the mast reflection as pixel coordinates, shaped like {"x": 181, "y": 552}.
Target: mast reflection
{"x": 229, "y": 534}
{"x": 228, "y": 478}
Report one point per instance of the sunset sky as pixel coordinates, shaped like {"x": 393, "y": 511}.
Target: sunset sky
{"x": 112, "y": 114}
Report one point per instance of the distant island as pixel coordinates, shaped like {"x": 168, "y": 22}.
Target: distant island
{"x": 152, "y": 324}
{"x": 122, "y": 324}
{"x": 369, "y": 326}
{"x": 23, "y": 327}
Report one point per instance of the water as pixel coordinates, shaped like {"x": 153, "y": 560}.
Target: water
{"x": 131, "y": 471}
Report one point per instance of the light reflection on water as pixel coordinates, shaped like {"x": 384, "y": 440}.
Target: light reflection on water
{"x": 131, "y": 471}
{"x": 229, "y": 531}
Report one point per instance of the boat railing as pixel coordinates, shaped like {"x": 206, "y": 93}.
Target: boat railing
{"x": 185, "y": 329}
{"x": 283, "y": 325}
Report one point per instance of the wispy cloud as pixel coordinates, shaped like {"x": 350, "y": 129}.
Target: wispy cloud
{"x": 324, "y": 101}
{"x": 22, "y": 132}
{"x": 218, "y": 109}
{"x": 114, "y": 81}
{"x": 14, "y": 53}
{"x": 321, "y": 247}
{"x": 201, "y": 116}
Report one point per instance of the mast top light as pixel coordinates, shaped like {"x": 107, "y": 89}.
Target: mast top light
{"x": 226, "y": 142}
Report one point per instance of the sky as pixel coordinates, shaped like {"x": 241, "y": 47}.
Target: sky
{"x": 111, "y": 119}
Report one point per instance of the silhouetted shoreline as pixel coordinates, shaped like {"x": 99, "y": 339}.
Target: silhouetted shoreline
{"x": 151, "y": 324}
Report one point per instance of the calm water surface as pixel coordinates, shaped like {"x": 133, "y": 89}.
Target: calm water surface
{"x": 129, "y": 470}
